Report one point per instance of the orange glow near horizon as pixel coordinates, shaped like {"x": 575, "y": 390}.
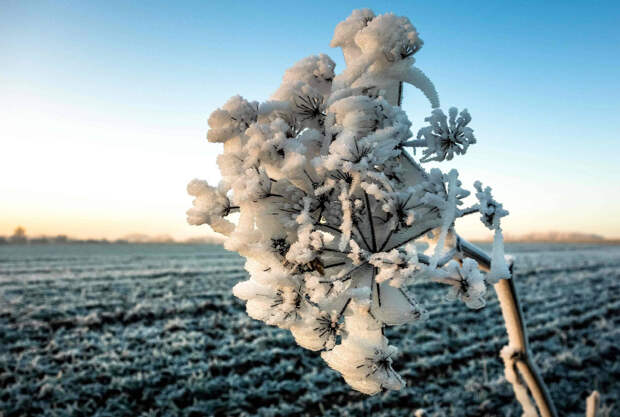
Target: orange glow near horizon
{"x": 96, "y": 177}
{"x": 86, "y": 168}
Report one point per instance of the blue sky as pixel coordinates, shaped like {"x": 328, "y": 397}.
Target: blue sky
{"x": 104, "y": 104}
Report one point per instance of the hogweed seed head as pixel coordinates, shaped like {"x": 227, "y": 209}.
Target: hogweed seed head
{"x": 336, "y": 220}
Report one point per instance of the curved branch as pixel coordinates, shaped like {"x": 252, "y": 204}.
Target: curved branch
{"x": 515, "y": 327}
{"x": 416, "y": 77}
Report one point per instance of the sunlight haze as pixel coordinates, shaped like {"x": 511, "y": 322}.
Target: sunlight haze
{"x": 105, "y": 105}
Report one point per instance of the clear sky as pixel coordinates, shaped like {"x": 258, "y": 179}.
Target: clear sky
{"x": 104, "y": 105}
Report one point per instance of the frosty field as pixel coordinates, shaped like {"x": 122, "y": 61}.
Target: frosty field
{"x": 155, "y": 330}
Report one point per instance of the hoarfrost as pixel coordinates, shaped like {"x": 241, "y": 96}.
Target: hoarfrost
{"x": 336, "y": 219}
{"x": 445, "y": 138}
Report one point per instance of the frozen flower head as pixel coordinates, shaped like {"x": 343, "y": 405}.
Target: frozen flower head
{"x": 466, "y": 283}
{"x": 346, "y": 30}
{"x": 316, "y": 71}
{"x": 210, "y": 206}
{"x": 446, "y": 137}
{"x": 337, "y": 221}
{"x": 232, "y": 119}
{"x": 394, "y": 36}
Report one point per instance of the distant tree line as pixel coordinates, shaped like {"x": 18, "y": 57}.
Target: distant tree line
{"x": 19, "y": 237}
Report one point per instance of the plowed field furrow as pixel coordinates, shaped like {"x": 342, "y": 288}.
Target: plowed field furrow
{"x": 157, "y": 332}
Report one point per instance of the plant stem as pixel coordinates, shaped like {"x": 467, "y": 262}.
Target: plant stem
{"x": 515, "y": 327}
{"x": 592, "y": 404}
{"x": 509, "y": 303}
{"x": 469, "y": 211}
{"x": 370, "y": 223}
{"x": 386, "y": 240}
{"x": 362, "y": 236}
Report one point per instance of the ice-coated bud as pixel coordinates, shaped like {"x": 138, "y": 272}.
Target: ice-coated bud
{"x": 445, "y": 137}
{"x": 232, "y": 119}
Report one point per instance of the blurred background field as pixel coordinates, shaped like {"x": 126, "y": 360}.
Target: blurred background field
{"x": 153, "y": 329}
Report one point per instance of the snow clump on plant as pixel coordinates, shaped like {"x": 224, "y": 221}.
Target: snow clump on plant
{"x": 335, "y": 218}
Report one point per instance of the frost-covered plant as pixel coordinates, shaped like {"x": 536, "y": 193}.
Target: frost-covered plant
{"x": 335, "y": 218}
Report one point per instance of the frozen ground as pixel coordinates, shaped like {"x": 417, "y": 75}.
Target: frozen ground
{"x": 155, "y": 330}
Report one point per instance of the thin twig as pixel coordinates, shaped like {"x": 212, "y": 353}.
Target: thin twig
{"x": 327, "y": 226}
{"x": 386, "y": 240}
{"x": 469, "y": 211}
{"x": 372, "y": 226}
{"x": 410, "y": 239}
{"x": 362, "y": 236}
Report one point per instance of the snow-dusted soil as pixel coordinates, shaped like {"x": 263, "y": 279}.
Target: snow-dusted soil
{"x": 155, "y": 330}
